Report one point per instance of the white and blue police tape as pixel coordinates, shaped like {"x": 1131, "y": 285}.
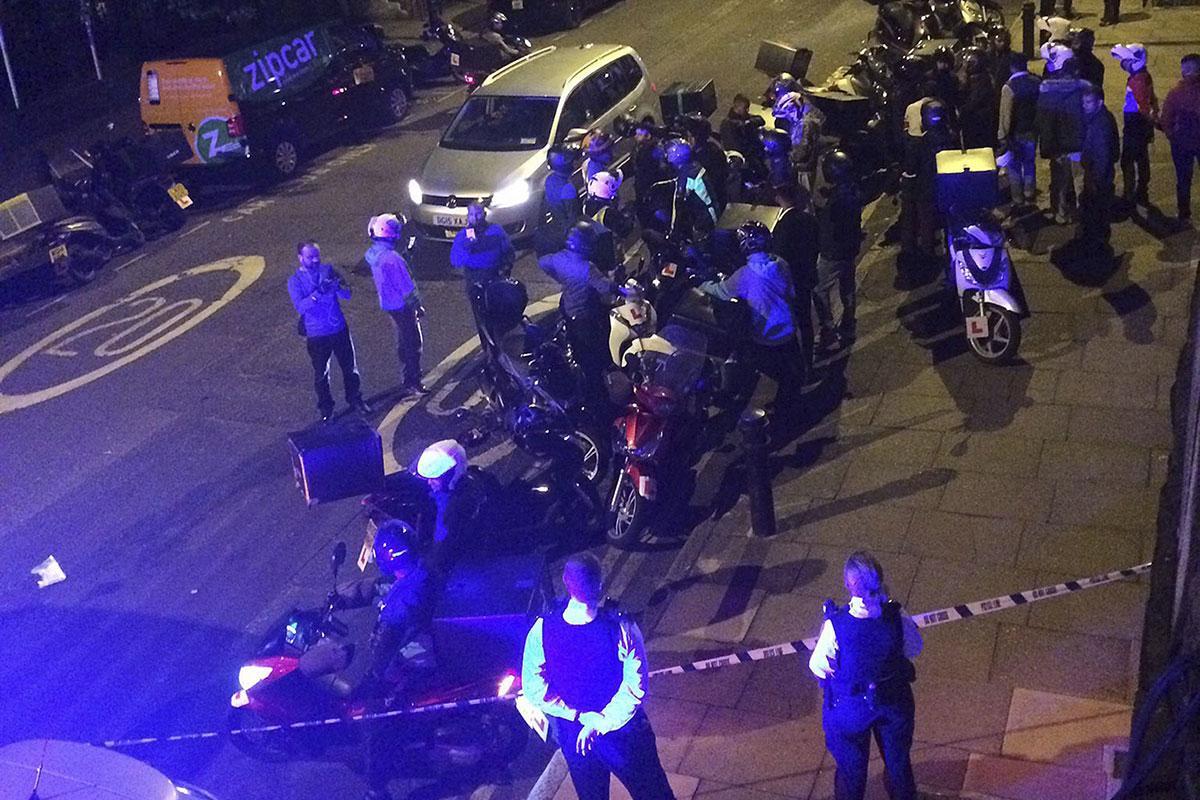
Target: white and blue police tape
{"x": 926, "y": 620}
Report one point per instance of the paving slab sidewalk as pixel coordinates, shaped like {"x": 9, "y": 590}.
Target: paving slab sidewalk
{"x": 968, "y": 481}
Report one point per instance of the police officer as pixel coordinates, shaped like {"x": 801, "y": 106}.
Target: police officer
{"x": 560, "y": 199}
{"x": 585, "y": 668}
{"x": 315, "y": 289}
{"x": 862, "y": 658}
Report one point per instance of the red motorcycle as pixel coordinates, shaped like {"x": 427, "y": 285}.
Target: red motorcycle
{"x": 296, "y": 677}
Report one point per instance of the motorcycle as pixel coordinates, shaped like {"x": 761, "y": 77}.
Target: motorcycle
{"x": 127, "y": 185}
{"x": 480, "y": 58}
{"x": 296, "y": 677}
{"x": 979, "y": 268}
{"x": 428, "y": 67}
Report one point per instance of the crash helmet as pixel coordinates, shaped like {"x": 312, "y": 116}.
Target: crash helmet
{"x": 944, "y": 56}
{"x": 933, "y": 115}
{"x": 789, "y": 105}
{"x": 445, "y": 461}
{"x": 679, "y": 153}
{"x": 1132, "y": 56}
{"x": 581, "y": 238}
{"x": 394, "y": 543}
{"x": 597, "y": 142}
{"x": 783, "y": 83}
{"x": 911, "y": 68}
{"x": 604, "y": 185}
{"x": 697, "y": 126}
{"x": 776, "y": 142}
{"x": 561, "y": 158}
{"x": 1084, "y": 39}
{"x": 1056, "y": 55}
{"x": 498, "y": 21}
{"x": 836, "y": 166}
{"x": 1059, "y": 28}
{"x": 386, "y": 226}
{"x": 973, "y": 60}
{"x": 753, "y": 237}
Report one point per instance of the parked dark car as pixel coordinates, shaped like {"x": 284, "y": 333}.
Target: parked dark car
{"x": 264, "y": 105}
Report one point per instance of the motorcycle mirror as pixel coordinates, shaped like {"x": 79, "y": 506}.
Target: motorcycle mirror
{"x": 338, "y": 558}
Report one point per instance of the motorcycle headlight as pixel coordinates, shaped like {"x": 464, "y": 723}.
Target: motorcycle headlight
{"x": 251, "y": 675}
{"x": 414, "y": 192}
{"x": 512, "y": 195}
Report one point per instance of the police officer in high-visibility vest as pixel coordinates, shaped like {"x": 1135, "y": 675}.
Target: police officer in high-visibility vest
{"x": 862, "y": 658}
{"x": 585, "y": 669}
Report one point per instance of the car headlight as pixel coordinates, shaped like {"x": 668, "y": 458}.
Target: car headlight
{"x": 414, "y": 192}
{"x": 512, "y": 195}
{"x": 251, "y": 675}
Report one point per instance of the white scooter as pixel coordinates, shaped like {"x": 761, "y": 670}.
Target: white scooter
{"x": 978, "y": 264}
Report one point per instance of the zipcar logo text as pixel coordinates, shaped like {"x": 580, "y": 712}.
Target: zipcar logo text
{"x": 274, "y": 66}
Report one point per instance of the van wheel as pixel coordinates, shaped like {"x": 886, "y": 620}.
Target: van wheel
{"x": 284, "y": 156}
{"x": 397, "y": 104}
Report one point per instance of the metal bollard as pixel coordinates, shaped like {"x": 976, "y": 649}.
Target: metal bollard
{"x": 1068, "y": 9}
{"x": 1045, "y": 9}
{"x": 1028, "y": 40}
{"x": 753, "y": 426}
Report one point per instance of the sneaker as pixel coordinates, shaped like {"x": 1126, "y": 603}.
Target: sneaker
{"x": 411, "y": 389}
{"x": 360, "y": 406}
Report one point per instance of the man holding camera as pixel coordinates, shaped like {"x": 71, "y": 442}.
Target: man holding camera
{"x": 316, "y": 289}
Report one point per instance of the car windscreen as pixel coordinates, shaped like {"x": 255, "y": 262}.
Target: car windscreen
{"x": 501, "y": 122}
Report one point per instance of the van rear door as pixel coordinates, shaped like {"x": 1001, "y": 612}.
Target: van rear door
{"x": 194, "y": 96}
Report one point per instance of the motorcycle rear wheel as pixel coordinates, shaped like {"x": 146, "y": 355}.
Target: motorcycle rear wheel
{"x": 595, "y": 453}
{"x": 628, "y": 513}
{"x": 1004, "y": 336}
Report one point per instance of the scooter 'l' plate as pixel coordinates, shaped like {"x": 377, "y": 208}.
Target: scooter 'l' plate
{"x": 977, "y": 327}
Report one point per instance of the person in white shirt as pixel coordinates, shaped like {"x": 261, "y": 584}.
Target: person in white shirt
{"x": 862, "y": 658}
{"x": 585, "y": 668}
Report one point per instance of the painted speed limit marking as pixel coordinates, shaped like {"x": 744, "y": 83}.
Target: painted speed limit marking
{"x": 117, "y": 334}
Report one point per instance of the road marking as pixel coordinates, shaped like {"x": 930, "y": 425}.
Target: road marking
{"x": 387, "y": 428}
{"x": 127, "y": 340}
{"x": 557, "y": 37}
{"x": 204, "y": 224}
{"x": 44, "y": 306}
{"x": 133, "y": 260}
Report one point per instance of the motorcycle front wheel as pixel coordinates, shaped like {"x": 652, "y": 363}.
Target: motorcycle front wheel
{"x": 628, "y": 513}
{"x": 595, "y": 452}
{"x": 1004, "y": 336}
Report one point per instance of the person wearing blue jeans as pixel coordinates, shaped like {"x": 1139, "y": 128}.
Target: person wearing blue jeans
{"x": 1017, "y": 132}
{"x": 862, "y": 659}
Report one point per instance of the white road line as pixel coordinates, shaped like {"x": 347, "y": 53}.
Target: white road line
{"x": 133, "y": 260}
{"x": 556, "y": 37}
{"x": 198, "y": 227}
{"x": 44, "y": 306}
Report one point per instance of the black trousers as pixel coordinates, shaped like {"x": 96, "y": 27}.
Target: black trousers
{"x": 588, "y": 335}
{"x": 1112, "y": 11}
{"x": 1135, "y": 156}
{"x": 849, "y": 725}
{"x": 1095, "y": 215}
{"x": 784, "y": 364}
{"x": 1185, "y": 161}
{"x": 630, "y": 753}
{"x": 804, "y": 328}
{"x": 320, "y": 349}
{"x": 408, "y": 344}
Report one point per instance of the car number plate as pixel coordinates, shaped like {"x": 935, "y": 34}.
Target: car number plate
{"x": 179, "y": 194}
{"x": 518, "y": 5}
{"x": 364, "y": 74}
{"x": 455, "y": 60}
{"x": 449, "y": 221}
{"x": 366, "y": 553}
{"x": 977, "y": 327}
{"x": 58, "y": 253}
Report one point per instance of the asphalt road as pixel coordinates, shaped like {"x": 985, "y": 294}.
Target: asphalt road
{"x": 143, "y": 421}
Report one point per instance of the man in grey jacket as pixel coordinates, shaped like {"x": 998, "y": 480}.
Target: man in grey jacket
{"x": 398, "y": 296}
{"x": 316, "y": 289}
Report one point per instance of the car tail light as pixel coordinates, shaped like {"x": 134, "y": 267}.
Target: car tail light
{"x": 506, "y": 685}
{"x": 235, "y": 126}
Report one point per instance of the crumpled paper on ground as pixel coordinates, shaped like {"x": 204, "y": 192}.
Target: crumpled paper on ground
{"x": 48, "y": 573}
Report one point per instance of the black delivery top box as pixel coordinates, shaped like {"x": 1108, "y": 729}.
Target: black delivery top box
{"x": 332, "y": 461}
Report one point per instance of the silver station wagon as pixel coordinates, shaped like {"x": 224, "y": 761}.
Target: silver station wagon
{"x": 494, "y": 151}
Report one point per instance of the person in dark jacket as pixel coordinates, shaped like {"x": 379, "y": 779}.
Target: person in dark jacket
{"x": 584, "y": 668}
{"x": 863, "y": 658}
{"x": 1141, "y": 116}
{"x": 977, "y": 108}
{"x": 1059, "y": 122}
{"x": 839, "y": 218}
{"x": 1090, "y": 68}
{"x": 649, "y": 167}
{"x": 795, "y": 239}
{"x": 1180, "y": 121}
{"x": 739, "y": 129}
{"x": 1098, "y": 157}
{"x": 560, "y": 199}
{"x": 481, "y": 250}
{"x": 919, "y": 186}
{"x": 709, "y": 155}
{"x": 1017, "y": 131}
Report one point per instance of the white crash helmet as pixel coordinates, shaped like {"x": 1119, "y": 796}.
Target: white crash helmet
{"x": 1134, "y": 52}
{"x": 386, "y": 226}
{"x": 446, "y": 459}
{"x": 604, "y": 185}
{"x": 1056, "y": 56}
{"x": 789, "y": 105}
{"x": 1059, "y": 28}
